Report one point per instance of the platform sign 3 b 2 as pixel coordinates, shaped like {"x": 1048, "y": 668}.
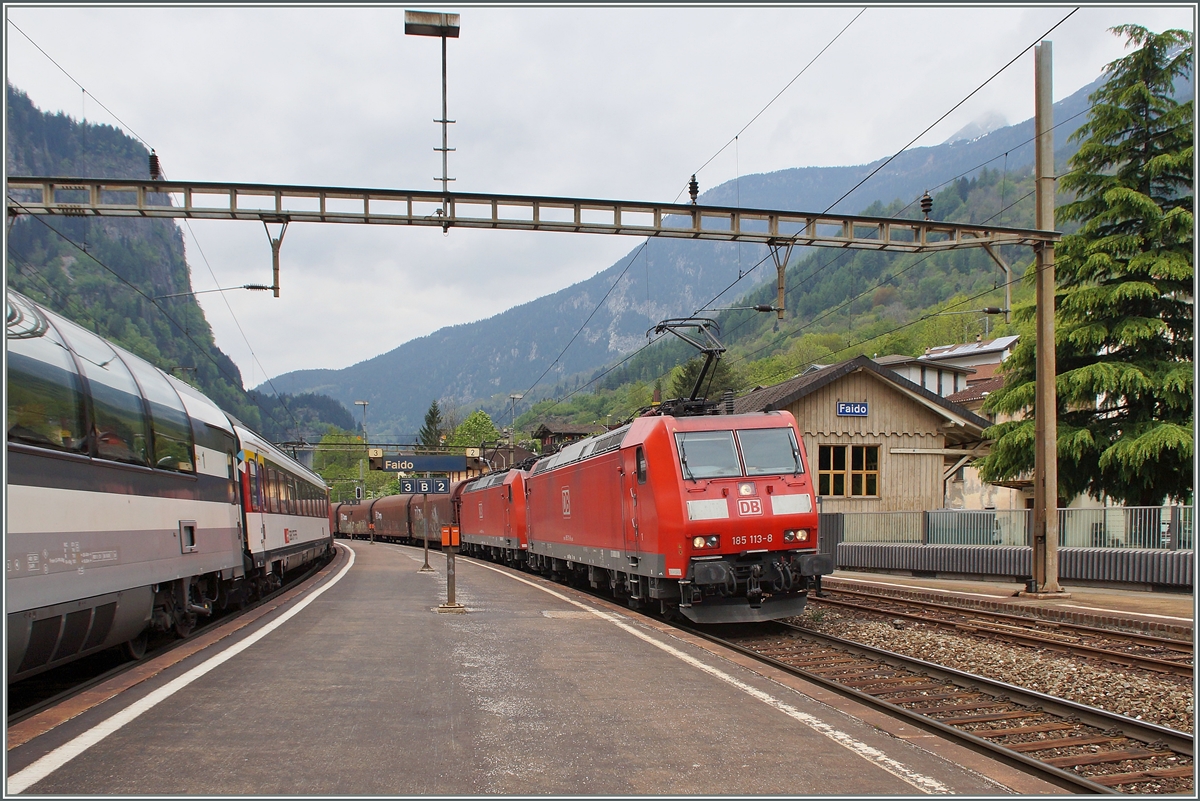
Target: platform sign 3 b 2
{"x": 424, "y": 486}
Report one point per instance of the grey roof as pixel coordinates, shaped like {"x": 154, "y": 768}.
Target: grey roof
{"x": 900, "y": 359}
{"x": 977, "y": 391}
{"x": 792, "y": 390}
{"x": 970, "y": 348}
{"x": 567, "y": 429}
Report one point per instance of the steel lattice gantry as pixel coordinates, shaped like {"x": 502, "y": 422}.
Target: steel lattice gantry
{"x": 271, "y": 203}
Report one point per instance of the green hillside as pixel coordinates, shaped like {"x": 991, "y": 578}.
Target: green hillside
{"x": 840, "y": 304}
{"x": 128, "y": 279}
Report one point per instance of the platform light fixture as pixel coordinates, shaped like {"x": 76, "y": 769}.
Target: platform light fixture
{"x": 361, "y": 477}
{"x": 512, "y": 434}
{"x": 443, "y": 26}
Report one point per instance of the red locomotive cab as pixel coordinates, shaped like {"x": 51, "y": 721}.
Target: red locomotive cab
{"x": 492, "y": 516}
{"x": 735, "y": 515}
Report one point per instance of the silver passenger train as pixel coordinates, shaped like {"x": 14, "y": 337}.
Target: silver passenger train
{"x": 134, "y": 503}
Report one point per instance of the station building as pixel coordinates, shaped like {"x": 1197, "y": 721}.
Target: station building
{"x": 877, "y": 441}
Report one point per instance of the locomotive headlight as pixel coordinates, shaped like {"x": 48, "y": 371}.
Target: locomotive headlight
{"x": 789, "y": 536}
{"x": 697, "y": 542}
{"x": 746, "y": 488}
{"x": 796, "y": 535}
{"x": 714, "y": 541}
{"x": 709, "y": 541}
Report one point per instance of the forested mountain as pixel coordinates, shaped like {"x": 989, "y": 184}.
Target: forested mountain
{"x": 110, "y": 274}
{"x": 481, "y": 363}
{"x": 292, "y": 418}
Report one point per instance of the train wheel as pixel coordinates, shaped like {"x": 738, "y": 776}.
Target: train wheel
{"x": 184, "y": 623}
{"x": 136, "y": 648}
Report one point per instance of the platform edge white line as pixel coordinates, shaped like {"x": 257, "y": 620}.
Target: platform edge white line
{"x": 44, "y": 766}
{"x": 925, "y": 784}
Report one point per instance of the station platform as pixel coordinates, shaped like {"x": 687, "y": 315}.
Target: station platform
{"x": 354, "y": 684}
{"x": 1167, "y": 614}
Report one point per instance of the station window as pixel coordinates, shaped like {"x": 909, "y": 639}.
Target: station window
{"x": 848, "y": 470}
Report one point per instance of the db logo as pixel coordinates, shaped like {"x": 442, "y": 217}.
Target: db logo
{"x": 566, "y": 495}
{"x": 749, "y": 506}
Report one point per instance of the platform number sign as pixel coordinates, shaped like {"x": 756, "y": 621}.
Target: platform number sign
{"x": 424, "y": 486}
{"x": 852, "y": 409}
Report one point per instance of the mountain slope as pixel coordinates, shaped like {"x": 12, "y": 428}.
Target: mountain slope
{"x": 482, "y": 362}
{"x": 101, "y": 271}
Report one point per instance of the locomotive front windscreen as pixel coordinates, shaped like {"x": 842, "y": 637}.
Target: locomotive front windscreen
{"x": 770, "y": 451}
{"x": 713, "y": 454}
{"x": 708, "y": 454}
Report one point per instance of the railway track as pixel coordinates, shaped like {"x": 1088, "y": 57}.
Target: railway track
{"x": 1072, "y": 745}
{"x": 36, "y": 693}
{"x": 1148, "y": 652}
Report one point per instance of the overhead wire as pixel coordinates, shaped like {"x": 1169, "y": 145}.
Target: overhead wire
{"x": 77, "y": 83}
{"x": 153, "y": 301}
{"x": 860, "y": 295}
{"x": 820, "y": 269}
{"x": 699, "y": 169}
{"x": 595, "y": 309}
{"x": 187, "y": 223}
{"x": 902, "y": 326}
{"x": 951, "y": 111}
{"x": 776, "y": 97}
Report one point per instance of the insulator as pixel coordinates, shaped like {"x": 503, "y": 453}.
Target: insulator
{"x": 926, "y": 204}
{"x": 764, "y": 307}
{"x": 693, "y": 189}
{"x": 155, "y": 172}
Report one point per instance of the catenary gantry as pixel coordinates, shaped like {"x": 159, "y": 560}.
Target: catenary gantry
{"x": 273, "y": 203}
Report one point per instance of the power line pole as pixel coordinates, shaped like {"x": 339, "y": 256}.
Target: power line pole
{"x": 1045, "y": 469}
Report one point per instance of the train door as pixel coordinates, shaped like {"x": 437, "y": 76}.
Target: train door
{"x": 506, "y": 492}
{"x": 254, "y": 501}
{"x": 633, "y": 478}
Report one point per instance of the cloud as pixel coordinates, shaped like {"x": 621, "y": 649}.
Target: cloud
{"x": 616, "y": 102}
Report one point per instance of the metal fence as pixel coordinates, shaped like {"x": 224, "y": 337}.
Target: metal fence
{"x": 1143, "y": 527}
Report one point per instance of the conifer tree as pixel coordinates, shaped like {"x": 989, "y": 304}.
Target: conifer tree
{"x": 1125, "y": 304}
{"x": 431, "y": 433}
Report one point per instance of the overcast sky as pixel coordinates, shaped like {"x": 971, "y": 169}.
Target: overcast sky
{"x": 619, "y": 103}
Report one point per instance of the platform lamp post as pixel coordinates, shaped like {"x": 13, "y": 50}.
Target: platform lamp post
{"x": 512, "y": 433}
{"x": 431, "y": 23}
{"x": 361, "y": 474}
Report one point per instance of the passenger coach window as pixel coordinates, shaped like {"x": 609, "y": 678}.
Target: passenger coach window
{"x": 172, "y": 428}
{"x": 120, "y": 419}
{"x": 45, "y": 401}
{"x": 707, "y": 454}
{"x": 770, "y": 451}
{"x": 255, "y": 487}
